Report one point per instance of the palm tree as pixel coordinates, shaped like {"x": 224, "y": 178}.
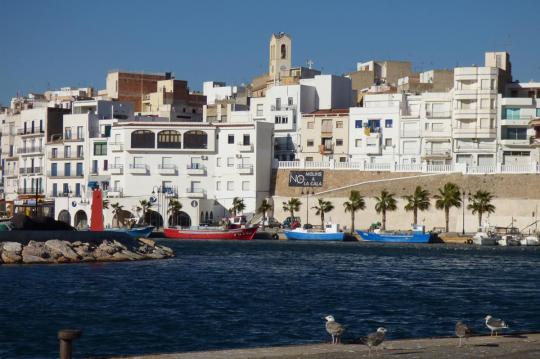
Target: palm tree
{"x": 481, "y": 203}
{"x": 175, "y": 207}
{"x": 237, "y": 205}
{"x": 385, "y": 202}
{"x": 323, "y": 207}
{"x": 145, "y": 206}
{"x": 356, "y": 202}
{"x": 263, "y": 209}
{"x": 291, "y": 206}
{"x": 447, "y": 198}
{"x": 106, "y": 203}
{"x": 419, "y": 200}
{"x": 117, "y": 209}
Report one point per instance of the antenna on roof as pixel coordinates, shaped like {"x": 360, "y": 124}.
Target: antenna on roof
{"x": 310, "y": 63}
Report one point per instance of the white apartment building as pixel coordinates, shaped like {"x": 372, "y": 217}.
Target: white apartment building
{"x": 218, "y": 91}
{"x": 435, "y": 126}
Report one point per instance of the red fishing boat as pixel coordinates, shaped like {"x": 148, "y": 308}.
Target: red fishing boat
{"x": 218, "y": 233}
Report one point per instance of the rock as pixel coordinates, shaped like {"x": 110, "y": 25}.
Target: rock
{"x": 107, "y": 247}
{"x": 11, "y": 252}
{"x": 119, "y": 245}
{"x": 147, "y": 241}
{"x": 35, "y": 249}
{"x": 61, "y": 249}
{"x": 85, "y": 252}
{"x": 30, "y": 259}
{"x": 167, "y": 250}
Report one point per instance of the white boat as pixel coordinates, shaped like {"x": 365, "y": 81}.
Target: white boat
{"x": 485, "y": 239}
{"x": 509, "y": 240}
{"x": 530, "y": 241}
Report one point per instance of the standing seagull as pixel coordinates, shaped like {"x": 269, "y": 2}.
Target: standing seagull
{"x": 462, "y": 331}
{"x": 374, "y": 339}
{"x": 495, "y": 324}
{"x": 334, "y": 329}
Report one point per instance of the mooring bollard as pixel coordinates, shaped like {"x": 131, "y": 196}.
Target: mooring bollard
{"x": 66, "y": 337}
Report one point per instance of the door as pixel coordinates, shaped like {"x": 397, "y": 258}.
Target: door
{"x": 67, "y": 169}
{"x": 485, "y": 160}
{"x": 54, "y": 169}
{"x": 79, "y": 169}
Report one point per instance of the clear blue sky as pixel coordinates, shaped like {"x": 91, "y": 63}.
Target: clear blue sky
{"x": 74, "y": 43}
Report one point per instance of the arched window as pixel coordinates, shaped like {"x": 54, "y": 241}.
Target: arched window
{"x": 169, "y": 139}
{"x": 143, "y": 139}
{"x": 283, "y": 51}
{"x": 195, "y": 140}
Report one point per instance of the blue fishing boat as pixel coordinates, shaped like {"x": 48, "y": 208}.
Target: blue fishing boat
{"x": 331, "y": 233}
{"x": 136, "y": 232}
{"x": 417, "y": 235}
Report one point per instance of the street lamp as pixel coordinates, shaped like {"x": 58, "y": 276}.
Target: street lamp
{"x": 307, "y": 193}
{"x": 463, "y": 203}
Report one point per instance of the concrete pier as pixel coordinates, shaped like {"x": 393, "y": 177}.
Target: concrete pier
{"x": 516, "y": 346}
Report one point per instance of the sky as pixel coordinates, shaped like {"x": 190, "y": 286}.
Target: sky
{"x": 48, "y": 44}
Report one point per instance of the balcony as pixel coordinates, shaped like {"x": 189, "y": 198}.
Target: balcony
{"x": 116, "y": 146}
{"x": 524, "y": 142}
{"x": 117, "y": 192}
{"x": 30, "y": 150}
{"x": 516, "y": 101}
{"x": 28, "y": 132}
{"x": 63, "y": 174}
{"x": 196, "y": 169}
{"x": 167, "y": 169}
{"x": 438, "y": 114}
{"x": 241, "y": 147}
{"x": 439, "y": 153}
{"x": 30, "y": 191}
{"x": 31, "y": 171}
{"x": 244, "y": 169}
{"x": 283, "y": 108}
{"x": 73, "y": 138}
{"x": 138, "y": 169}
{"x": 326, "y": 149}
{"x": 116, "y": 169}
{"x": 194, "y": 193}
{"x": 65, "y": 156}
{"x": 474, "y": 132}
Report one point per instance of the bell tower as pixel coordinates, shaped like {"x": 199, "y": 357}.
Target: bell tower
{"x": 280, "y": 55}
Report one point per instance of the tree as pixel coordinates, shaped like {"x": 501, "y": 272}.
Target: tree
{"x": 117, "y": 210}
{"x": 385, "y": 203}
{"x": 237, "y": 206}
{"x": 291, "y": 206}
{"x": 481, "y": 203}
{"x": 175, "y": 207}
{"x": 323, "y": 207}
{"x": 145, "y": 206}
{"x": 419, "y": 200}
{"x": 356, "y": 202}
{"x": 263, "y": 209}
{"x": 447, "y": 198}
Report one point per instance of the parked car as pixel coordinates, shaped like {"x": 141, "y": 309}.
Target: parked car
{"x": 291, "y": 223}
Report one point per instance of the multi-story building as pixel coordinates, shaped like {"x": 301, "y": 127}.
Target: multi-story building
{"x": 435, "y": 127}
{"x": 324, "y": 136}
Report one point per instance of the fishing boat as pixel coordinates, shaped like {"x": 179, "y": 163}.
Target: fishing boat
{"x": 417, "y": 235}
{"x": 331, "y": 233}
{"x": 210, "y": 233}
{"x": 509, "y": 240}
{"x": 485, "y": 239}
{"x": 530, "y": 241}
{"x": 135, "y": 232}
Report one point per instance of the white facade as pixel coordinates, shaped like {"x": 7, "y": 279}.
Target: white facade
{"x": 217, "y": 91}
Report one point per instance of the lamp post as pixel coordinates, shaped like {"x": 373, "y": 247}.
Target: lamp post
{"x": 159, "y": 191}
{"x": 307, "y": 193}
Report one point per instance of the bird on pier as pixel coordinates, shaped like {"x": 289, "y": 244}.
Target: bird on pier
{"x": 334, "y": 329}
{"x": 462, "y": 331}
{"x": 373, "y": 340}
{"x": 495, "y": 324}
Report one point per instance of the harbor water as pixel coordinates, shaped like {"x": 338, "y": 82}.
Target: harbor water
{"x": 216, "y": 295}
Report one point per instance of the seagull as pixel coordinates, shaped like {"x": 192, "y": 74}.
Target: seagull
{"x": 495, "y": 324}
{"x": 374, "y": 339}
{"x": 462, "y": 331}
{"x": 334, "y": 329}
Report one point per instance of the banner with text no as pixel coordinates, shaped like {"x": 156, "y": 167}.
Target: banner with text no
{"x": 306, "y": 178}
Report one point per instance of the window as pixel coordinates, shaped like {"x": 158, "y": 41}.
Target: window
{"x": 492, "y": 104}
{"x": 143, "y": 139}
{"x": 105, "y": 165}
{"x": 67, "y": 152}
{"x": 283, "y": 51}
{"x": 388, "y": 142}
{"x": 538, "y": 112}
{"x": 230, "y": 161}
{"x": 278, "y": 104}
{"x": 246, "y": 140}
{"x": 339, "y": 124}
{"x": 339, "y": 142}
{"x": 516, "y": 133}
{"x": 67, "y": 133}
{"x": 100, "y": 148}
{"x": 54, "y": 153}
{"x": 218, "y": 162}
{"x": 230, "y": 185}
{"x": 259, "y": 109}
{"x": 195, "y": 140}
{"x": 310, "y": 125}
{"x": 67, "y": 169}
{"x": 245, "y": 185}
{"x": 309, "y": 159}
{"x": 374, "y": 125}
{"x": 290, "y": 101}
{"x": 358, "y": 143}
{"x": 169, "y": 139}
{"x": 80, "y": 132}
{"x": 281, "y": 120}
{"x": 94, "y": 166}
{"x": 79, "y": 151}
{"x": 343, "y": 159}
{"x": 326, "y": 125}
{"x": 218, "y": 185}
{"x": 388, "y": 123}
{"x": 230, "y": 139}
{"x": 309, "y": 143}
{"x": 79, "y": 169}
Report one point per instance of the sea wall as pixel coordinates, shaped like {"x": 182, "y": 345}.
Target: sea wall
{"x": 517, "y": 198}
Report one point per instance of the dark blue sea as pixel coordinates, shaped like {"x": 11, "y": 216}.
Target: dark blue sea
{"x": 245, "y": 294}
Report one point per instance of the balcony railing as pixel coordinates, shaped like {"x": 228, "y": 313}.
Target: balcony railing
{"x": 22, "y": 190}
{"x": 438, "y": 114}
{"x": 116, "y": 146}
{"x": 64, "y": 174}
{"x": 167, "y": 166}
{"x": 195, "y": 166}
{"x": 138, "y": 166}
{"x": 33, "y": 149}
{"x": 244, "y": 166}
{"x": 65, "y": 156}
{"x": 74, "y": 139}
{"x": 30, "y": 171}
{"x": 30, "y": 131}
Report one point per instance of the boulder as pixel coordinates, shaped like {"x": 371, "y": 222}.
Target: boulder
{"x": 11, "y": 252}
{"x": 61, "y": 249}
{"x": 12, "y": 247}
{"x": 35, "y": 249}
{"x": 30, "y": 259}
{"x": 85, "y": 252}
{"x": 148, "y": 242}
{"x": 108, "y": 247}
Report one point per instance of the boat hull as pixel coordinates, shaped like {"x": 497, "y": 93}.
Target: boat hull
{"x": 314, "y": 236}
{"x": 244, "y": 234}
{"x": 395, "y": 238}
{"x": 143, "y": 232}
